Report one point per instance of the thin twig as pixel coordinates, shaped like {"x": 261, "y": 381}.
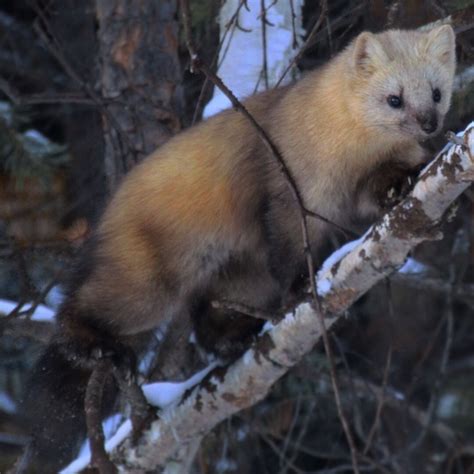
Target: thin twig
{"x": 54, "y": 47}
{"x": 230, "y": 24}
{"x": 92, "y": 406}
{"x": 449, "y": 318}
{"x": 381, "y": 397}
{"x": 329, "y": 29}
{"x": 293, "y": 24}
{"x": 36, "y": 99}
{"x": 348, "y": 233}
{"x": 302, "y": 432}
{"x": 256, "y": 313}
{"x": 275, "y": 448}
{"x": 418, "y": 366}
{"x": 263, "y": 18}
{"x": 309, "y": 41}
{"x": 464, "y": 292}
{"x": 33, "y": 305}
{"x": 141, "y": 412}
{"x": 289, "y": 434}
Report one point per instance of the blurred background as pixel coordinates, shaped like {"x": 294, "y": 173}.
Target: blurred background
{"x": 88, "y": 89}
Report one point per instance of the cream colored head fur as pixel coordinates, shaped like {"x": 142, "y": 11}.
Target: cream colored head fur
{"x": 402, "y": 80}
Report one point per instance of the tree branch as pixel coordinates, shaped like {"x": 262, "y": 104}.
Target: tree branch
{"x": 93, "y": 405}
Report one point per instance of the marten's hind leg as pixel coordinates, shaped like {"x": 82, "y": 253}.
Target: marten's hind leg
{"x": 228, "y": 332}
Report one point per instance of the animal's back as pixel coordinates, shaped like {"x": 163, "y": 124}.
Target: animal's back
{"x": 178, "y": 216}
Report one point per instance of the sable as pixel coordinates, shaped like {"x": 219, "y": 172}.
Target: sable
{"x": 209, "y": 216}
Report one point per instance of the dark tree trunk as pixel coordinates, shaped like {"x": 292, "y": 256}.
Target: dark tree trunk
{"x": 74, "y": 23}
{"x": 140, "y": 76}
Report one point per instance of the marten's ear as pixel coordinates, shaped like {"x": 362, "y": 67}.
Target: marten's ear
{"x": 368, "y": 53}
{"x": 441, "y": 45}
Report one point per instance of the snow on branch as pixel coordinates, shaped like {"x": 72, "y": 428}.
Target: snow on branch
{"x": 383, "y": 248}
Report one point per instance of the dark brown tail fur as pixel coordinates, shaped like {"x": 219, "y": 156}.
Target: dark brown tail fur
{"x": 54, "y": 405}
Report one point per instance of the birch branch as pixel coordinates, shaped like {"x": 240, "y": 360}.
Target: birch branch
{"x": 385, "y": 246}
{"x": 382, "y": 250}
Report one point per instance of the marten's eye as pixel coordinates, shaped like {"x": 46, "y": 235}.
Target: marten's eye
{"x": 394, "y": 101}
{"x": 436, "y": 95}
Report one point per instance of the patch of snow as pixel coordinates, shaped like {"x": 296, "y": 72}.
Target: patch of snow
{"x": 159, "y": 334}
{"x": 111, "y": 425}
{"x": 37, "y": 137}
{"x": 55, "y": 297}
{"x": 340, "y": 253}
{"x": 6, "y": 112}
{"x": 248, "y": 356}
{"x": 7, "y": 404}
{"x": 412, "y": 266}
{"x": 146, "y": 360}
{"x": 155, "y": 433}
{"x": 323, "y": 286}
{"x": 192, "y": 338}
{"x": 7, "y": 306}
{"x": 242, "y": 433}
{"x": 267, "y": 327}
{"x": 122, "y": 432}
{"x": 83, "y": 460}
{"x": 398, "y": 395}
{"x": 163, "y": 394}
{"x": 464, "y": 78}
{"x": 41, "y": 313}
{"x": 289, "y": 318}
{"x": 85, "y": 450}
{"x": 226, "y": 465}
{"x": 214, "y": 381}
{"x": 249, "y": 39}
{"x": 447, "y": 405}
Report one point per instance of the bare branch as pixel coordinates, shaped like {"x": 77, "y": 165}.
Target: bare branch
{"x": 36, "y": 99}
{"x": 244, "y": 309}
{"x": 93, "y": 409}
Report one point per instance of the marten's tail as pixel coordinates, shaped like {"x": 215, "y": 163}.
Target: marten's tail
{"x": 54, "y": 408}
{"x": 54, "y": 402}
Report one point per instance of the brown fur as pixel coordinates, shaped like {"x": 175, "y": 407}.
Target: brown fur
{"x": 213, "y": 196}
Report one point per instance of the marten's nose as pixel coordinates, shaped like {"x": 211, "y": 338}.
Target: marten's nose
{"x": 428, "y": 122}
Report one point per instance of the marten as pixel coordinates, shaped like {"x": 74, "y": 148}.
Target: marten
{"x": 208, "y": 216}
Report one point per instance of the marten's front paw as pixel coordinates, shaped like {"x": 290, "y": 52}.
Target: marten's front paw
{"x": 397, "y": 192}
{"x": 401, "y": 181}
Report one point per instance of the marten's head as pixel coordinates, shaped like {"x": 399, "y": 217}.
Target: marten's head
{"x": 403, "y": 80}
